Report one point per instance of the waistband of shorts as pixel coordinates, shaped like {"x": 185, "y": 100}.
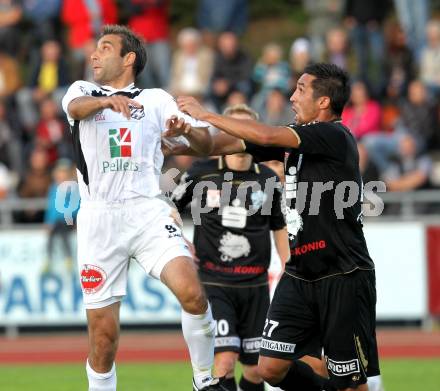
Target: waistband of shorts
{"x": 87, "y": 204}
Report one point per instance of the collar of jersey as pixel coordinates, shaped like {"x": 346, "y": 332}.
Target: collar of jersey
{"x": 221, "y": 165}
{"x": 112, "y": 89}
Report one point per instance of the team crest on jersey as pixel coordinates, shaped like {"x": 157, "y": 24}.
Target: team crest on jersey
{"x": 137, "y": 113}
{"x": 233, "y": 246}
{"x": 92, "y": 278}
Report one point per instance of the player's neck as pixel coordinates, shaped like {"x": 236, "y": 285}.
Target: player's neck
{"x": 327, "y": 116}
{"x": 239, "y": 162}
{"x": 120, "y": 82}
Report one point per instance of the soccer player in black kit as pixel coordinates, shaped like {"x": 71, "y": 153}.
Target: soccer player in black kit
{"x": 327, "y": 295}
{"x": 236, "y": 204}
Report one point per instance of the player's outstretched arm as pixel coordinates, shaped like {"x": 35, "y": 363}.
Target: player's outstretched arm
{"x": 85, "y": 106}
{"x": 249, "y": 130}
{"x": 198, "y": 137}
{"x": 223, "y": 144}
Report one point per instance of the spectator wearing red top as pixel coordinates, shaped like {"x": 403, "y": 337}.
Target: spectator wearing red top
{"x": 84, "y": 19}
{"x": 50, "y": 130}
{"x": 149, "y": 19}
{"x": 363, "y": 115}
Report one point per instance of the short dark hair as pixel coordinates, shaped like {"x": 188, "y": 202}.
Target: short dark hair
{"x": 331, "y": 81}
{"x": 130, "y": 43}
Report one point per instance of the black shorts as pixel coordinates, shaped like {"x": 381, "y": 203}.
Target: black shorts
{"x": 337, "y": 314}
{"x": 239, "y": 314}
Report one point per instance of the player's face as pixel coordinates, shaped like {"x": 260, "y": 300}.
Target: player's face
{"x": 107, "y": 62}
{"x": 303, "y": 102}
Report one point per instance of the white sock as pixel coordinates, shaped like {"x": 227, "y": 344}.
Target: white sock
{"x": 101, "y": 381}
{"x": 375, "y": 383}
{"x": 198, "y": 331}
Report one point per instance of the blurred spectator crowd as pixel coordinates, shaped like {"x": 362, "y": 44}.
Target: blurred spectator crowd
{"x": 391, "y": 49}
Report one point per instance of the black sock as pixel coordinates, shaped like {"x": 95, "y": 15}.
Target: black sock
{"x": 246, "y": 385}
{"x": 229, "y": 384}
{"x": 301, "y": 376}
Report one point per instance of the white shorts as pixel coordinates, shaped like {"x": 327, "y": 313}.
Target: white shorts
{"x": 110, "y": 234}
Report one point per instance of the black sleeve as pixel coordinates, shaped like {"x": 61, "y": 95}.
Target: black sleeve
{"x": 322, "y": 138}
{"x": 183, "y": 193}
{"x": 265, "y": 154}
{"x": 277, "y": 220}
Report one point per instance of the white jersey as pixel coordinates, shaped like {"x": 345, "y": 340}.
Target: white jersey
{"x": 117, "y": 158}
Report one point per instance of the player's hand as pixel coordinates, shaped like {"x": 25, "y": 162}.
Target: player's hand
{"x": 120, "y": 104}
{"x": 190, "y": 105}
{"x": 170, "y": 148}
{"x": 176, "y": 127}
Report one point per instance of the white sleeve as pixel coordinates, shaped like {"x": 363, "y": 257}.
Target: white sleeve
{"x": 77, "y": 89}
{"x": 169, "y": 108}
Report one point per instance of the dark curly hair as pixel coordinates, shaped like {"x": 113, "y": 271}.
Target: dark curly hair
{"x": 331, "y": 81}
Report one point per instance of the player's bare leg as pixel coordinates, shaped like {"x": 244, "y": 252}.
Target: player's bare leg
{"x": 297, "y": 374}
{"x": 317, "y": 364}
{"x": 251, "y": 378}
{"x": 180, "y": 276}
{"x": 273, "y": 370}
{"x": 224, "y": 365}
{"x": 103, "y": 327}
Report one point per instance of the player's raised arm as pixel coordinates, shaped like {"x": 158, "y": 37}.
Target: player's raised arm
{"x": 247, "y": 129}
{"x": 79, "y": 104}
{"x": 85, "y": 106}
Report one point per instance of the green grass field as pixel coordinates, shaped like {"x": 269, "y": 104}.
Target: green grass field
{"x": 398, "y": 375}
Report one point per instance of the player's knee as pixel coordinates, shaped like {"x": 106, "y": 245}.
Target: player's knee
{"x": 194, "y": 300}
{"x": 269, "y": 372}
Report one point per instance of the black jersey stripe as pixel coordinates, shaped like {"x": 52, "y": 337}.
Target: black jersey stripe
{"x": 78, "y": 153}
{"x": 128, "y": 94}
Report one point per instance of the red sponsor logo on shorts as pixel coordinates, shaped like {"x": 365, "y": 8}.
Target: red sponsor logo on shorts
{"x": 308, "y": 247}
{"x": 92, "y": 278}
{"x": 234, "y": 269}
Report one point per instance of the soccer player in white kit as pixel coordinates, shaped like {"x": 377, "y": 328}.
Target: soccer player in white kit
{"x": 117, "y": 130}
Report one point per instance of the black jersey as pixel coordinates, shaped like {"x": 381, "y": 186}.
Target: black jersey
{"x": 322, "y": 176}
{"x": 238, "y": 211}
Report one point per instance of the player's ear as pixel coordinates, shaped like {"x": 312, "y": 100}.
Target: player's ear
{"x": 129, "y": 59}
{"x": 324, "y": 102}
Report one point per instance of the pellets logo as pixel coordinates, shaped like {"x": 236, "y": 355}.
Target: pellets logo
{"x": 120, "y": 142}
{"x": 92, "y": 278}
